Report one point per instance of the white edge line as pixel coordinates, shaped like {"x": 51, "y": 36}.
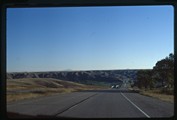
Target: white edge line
{"x": 135, "y": 105}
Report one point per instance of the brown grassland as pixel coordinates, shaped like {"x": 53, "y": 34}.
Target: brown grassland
{"x": 156, "y": 93}
{"x": 19, "y": 89}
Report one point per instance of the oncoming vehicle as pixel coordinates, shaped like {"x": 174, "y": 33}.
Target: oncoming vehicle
{"x": 115, "y": 86}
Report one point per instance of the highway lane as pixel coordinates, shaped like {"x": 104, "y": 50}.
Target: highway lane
{"x": 120, "y": 104}
{"x": 112, "y": 103}
{"x": 103, "y": 105}
{"x": 49, "y": 105}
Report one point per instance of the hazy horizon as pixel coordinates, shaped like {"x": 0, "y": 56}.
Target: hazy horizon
{"x": 88, "y": 38}
{"x": 76, "y": 70}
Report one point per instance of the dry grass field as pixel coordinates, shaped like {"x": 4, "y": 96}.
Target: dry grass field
{"x": 156, "y": 93}
{"x": 19, "y": 89}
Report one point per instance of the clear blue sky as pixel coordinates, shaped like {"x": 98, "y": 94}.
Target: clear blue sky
{"x": 88, "y": 38}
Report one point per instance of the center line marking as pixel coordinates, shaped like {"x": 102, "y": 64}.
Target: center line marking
{"x": 135, "y": 105}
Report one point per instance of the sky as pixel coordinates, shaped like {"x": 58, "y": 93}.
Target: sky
{"x": 88, "y": 38}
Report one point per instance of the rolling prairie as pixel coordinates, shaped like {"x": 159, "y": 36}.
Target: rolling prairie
{"x": 25, "y": 88}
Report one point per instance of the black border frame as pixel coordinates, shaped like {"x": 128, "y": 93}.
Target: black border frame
{"x": 68, "y": 3}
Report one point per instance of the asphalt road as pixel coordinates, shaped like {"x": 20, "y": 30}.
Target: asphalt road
{"x": 112, "y": 103}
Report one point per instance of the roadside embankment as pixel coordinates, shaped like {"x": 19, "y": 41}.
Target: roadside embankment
{"x": 26, "y": 88}
{"x": 156, "y": 93}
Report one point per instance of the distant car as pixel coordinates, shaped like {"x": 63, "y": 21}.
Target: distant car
{"x": 117, "y": 86}
{"x": 112, "y": 86}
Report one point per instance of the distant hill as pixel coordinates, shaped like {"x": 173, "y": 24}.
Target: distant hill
{"x": 84, "y": 77}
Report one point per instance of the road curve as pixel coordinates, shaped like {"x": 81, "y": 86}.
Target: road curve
{"x": 112, "y": 103}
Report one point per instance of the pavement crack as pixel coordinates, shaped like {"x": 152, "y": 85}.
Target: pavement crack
{"x": 74, "y": 105}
